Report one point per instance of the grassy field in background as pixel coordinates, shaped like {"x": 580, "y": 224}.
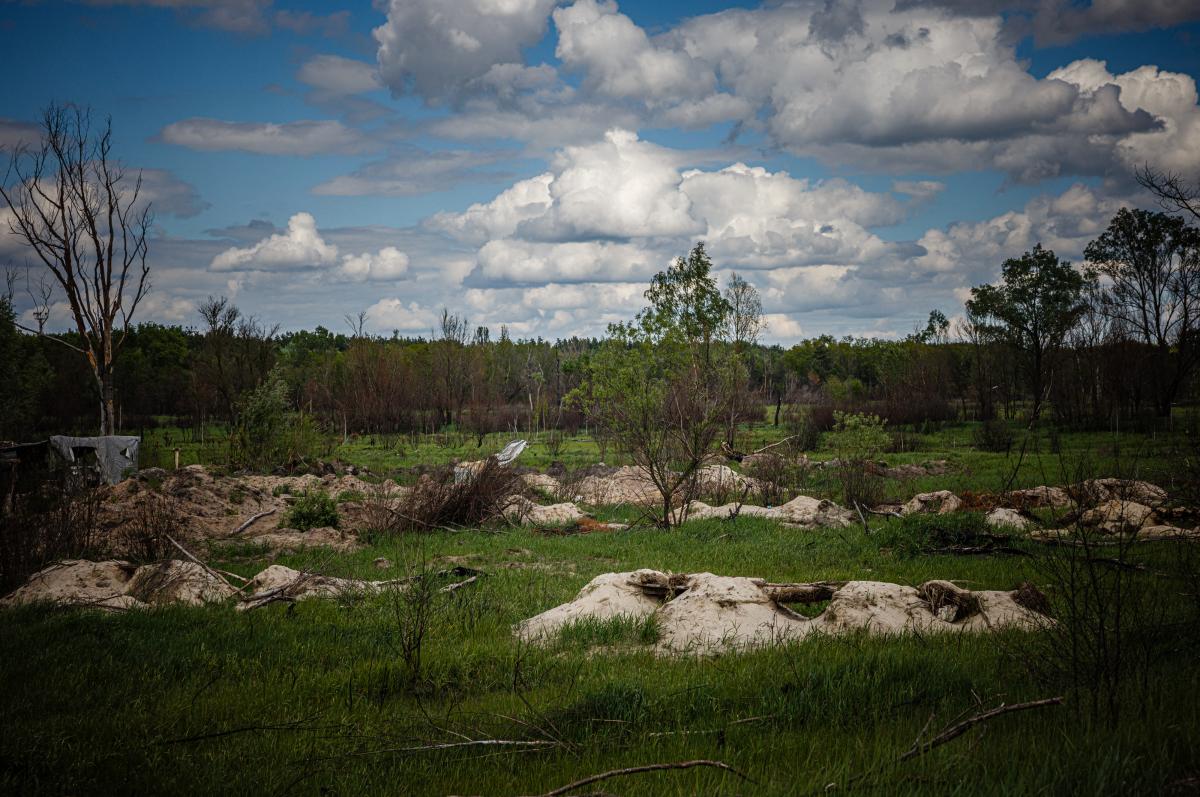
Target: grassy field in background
{"x": 1048, "y": 457}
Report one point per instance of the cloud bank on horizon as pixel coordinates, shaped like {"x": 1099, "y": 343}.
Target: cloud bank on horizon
{"x": 531, "y": 163}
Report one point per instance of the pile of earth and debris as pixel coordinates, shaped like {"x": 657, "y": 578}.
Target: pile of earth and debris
{"x": 117, "y": 585}
{"x": 702, "y": 613}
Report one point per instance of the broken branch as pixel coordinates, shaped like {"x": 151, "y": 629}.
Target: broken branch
{"x": 251, "y": 522}
{"x": 958, "y": 729}
{"x": 614, "y": 773}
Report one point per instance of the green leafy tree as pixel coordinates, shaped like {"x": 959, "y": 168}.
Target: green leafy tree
{"x": 1036, "y": 304}
{"x": 1153, "y": 263}
{"x": 660, "y": 387}
{"x": 685, "y": 300}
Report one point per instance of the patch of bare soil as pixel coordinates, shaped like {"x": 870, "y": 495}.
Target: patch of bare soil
{"x": 702, "y": 613}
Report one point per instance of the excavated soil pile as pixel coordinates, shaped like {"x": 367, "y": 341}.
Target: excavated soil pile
{"x": 117, "y": 585}
{"x": 942, "y": 502}
{"x": 629, "y": 484}
{"x": 802, "y": 512}
{"x": 704, "y": 613}
{"x": 206, "y": 507}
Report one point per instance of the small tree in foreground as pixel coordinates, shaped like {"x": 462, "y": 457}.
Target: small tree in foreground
{"x": 74, "y": 208}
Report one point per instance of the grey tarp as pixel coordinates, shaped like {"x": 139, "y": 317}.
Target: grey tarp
{"x": 114, "y": 454}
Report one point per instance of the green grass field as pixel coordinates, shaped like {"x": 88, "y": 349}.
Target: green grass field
{"x": 319, "y": 698}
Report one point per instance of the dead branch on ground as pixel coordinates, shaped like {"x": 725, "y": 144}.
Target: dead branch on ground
{"x": 251, "y": 522}
{"x": 614, "y": 773}
{"x": 958, "y": 729}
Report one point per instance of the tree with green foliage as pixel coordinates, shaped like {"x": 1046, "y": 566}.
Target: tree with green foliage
{"x": 685, "y": 298}
{"x": 660, "y": 386}
{"x": 1153, "y": 263}
{"x": 1036, "y": 304}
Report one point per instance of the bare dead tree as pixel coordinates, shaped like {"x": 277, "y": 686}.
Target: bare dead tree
{"x": 41, "y": 300}
{"x": 77, "y": 212}
{"x": 1174, "y": 192}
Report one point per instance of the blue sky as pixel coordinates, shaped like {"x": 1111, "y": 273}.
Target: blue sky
{"x": 531, "y": 163}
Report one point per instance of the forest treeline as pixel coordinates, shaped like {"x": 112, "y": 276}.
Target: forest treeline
{"x": 1096, "y": 374}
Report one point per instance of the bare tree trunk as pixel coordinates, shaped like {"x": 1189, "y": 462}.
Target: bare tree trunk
{"x": 72, "y": 208}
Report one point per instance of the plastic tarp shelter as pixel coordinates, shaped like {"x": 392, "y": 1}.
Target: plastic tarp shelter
{"x": 115, "y": 454}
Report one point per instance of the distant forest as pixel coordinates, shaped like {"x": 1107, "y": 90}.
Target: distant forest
{"x": 359, "y": 383}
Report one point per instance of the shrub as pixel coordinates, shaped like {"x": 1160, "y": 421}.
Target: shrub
{"x": 858, "y": 440}
{"x": 438, "y": 499}
{"x": 314, "y": 509}
{"x": 269, "y": 436}
{"x": 39, "y": 528}
{"x": 802, "y": 427}
{"x": 993, "y": 435}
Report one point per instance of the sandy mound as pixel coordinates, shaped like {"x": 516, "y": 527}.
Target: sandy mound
{"x": 119, "y": 585}
{"x": 1002, "y": 518}
{"x": 203, "y": 506}
{"x": 626, "y": 485}
{"x": 706, "y": 613}
{"x": 943, "y": 502}
{"x": 1115, "y": 516}
{"x": 1098, "y": 491}
{"x": 723, "y": 479}
{"x": 292, "y": 540}
{"x": 630, "y": 484}
{"x": 1043, "y": 496}
{"x": 283, "y": 583}
{"x": 801, "y": 511}
{"x": 604, "y": 597}
{"x": 543, "y": 483}
{"x": 525, "y": 512}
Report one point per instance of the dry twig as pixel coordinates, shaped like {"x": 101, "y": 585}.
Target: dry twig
{"x": 614, "y": 773}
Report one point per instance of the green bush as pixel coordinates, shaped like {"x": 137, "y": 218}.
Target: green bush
{"x": 858, "y": 439}
{"x": 269, "y": 435}
{"x": 993, "y": 435}
{"x": 314, "y": 509}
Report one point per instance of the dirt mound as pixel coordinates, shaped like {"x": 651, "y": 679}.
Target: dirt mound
{"x": 118, "y": 585}
{"x": 1098, "y": 491}
{"x": 543, "y": 483}
{"x": 283, "y": 583}
{"x": 630, "y": 484}
{"x": 934, "y": 467}
{"x": 203, "y": 506}
{"x": 1115, "y": 516}
{"x": 603, "y": 598}
{"x": 625, "y": 485}
{"x": 1002, "y": 518}
{"x": 802, "y": 511}
{"x": 286, "y": 540}
{"x": 525, "y": 512}
{"x": 943, "y": 502}
{"x": 706, "y": 613}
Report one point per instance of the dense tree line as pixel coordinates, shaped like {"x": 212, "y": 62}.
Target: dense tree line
{"x": 1091, "y": 346}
